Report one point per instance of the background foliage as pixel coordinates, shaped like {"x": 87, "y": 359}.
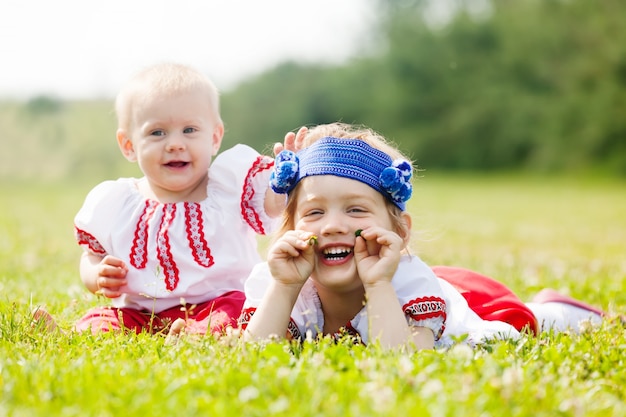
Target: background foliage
{"x": 504, "y": 84}
{"x": 499, "y": 85}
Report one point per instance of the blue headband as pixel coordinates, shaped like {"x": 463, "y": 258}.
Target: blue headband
{"x": 348, "y": 158}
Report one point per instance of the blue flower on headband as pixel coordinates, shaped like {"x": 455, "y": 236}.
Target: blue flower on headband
{"x": 285, "y": 173}
{"x": 396, "y": 181}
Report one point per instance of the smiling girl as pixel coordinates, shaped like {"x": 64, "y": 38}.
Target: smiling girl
{"x": 340, "y": 263}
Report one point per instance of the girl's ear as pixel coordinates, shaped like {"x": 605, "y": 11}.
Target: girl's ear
{"x": 126, "y": 145}
{"x": 404, "y": 229}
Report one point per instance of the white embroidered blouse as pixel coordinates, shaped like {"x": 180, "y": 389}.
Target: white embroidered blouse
{"x": 196, "y": 251}
{"x": 427, "y": 301}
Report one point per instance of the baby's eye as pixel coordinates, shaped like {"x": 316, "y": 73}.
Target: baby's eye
{"x": 157, "y": 132}
{"x": 189, "y": 130}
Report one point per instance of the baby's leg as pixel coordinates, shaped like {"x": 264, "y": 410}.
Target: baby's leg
{"x": 42, "y": 320}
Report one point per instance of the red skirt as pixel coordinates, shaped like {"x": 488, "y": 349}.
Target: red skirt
{"x": 488, "y": 298}
{"x": 213, "y": 316}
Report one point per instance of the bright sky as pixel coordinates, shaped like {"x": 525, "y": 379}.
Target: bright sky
{"x": 82, "y": 49}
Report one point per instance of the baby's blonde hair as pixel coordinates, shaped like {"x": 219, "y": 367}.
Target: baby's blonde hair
{"x": 163, "y": 80}
{"x": 346, "y": 131}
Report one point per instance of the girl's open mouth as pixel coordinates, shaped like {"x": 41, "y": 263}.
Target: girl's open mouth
{"x": 337, "y": 253}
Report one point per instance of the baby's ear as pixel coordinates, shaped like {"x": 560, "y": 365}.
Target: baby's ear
{"x": 126, "y": 145}
{"x": 218, "y": 135}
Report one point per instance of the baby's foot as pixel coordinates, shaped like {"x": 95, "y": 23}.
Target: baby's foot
{"x": 176, "y": 329}
{"x": 43, "y": 320}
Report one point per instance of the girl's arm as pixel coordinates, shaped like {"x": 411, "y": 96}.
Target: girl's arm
{"x": 387, "y": 322}
{"x": 377, "y": 252}
{"x": 291, "y": 262}
{"x": 271, "y": 317}
{"x": 103, "y": 275}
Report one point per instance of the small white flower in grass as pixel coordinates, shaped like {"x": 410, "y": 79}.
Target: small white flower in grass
{"x": 279, "y": 406}
{"x": 462, "y": 351}
{"x": 432, "y": 388}
{"x": 405, "y": 366}
{"x": 512, "y": 376}
{"x": 248, "y": 393}
{"x": 382, "y": 396}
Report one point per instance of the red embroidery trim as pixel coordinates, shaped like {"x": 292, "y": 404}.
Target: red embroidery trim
{"x": 244, "y": 318}
{"x": 84, "y": 238}
{"x": 292, "y": 328}
{"x": 164, "y": 250}
{"x": 195, "y": 235}
{"x": 139, "y": 250}
{"x": 425, "y": 308}
{"x": 293, "y": 332}
{"x": 247, "y": 211}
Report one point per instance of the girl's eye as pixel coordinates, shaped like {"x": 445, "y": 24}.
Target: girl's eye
{"x": 356, "y": 210}
{"x": 312, "y": 213}
{"x": 189, "y": 130}
{"x": 157, "y": 133}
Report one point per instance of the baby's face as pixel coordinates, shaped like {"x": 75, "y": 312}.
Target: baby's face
{"x": 173, "y": 139}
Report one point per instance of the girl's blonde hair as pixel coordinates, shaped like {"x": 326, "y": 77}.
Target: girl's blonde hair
{"x": 163, "y": 80}
{"x": 346, "y": 131}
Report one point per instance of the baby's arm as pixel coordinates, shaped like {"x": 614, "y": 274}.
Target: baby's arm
{"x": 275, "y": 203}
{"x": 103, "y": 275}
{"x": 291, "y": 262}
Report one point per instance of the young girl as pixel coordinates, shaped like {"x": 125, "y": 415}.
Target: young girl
{"x": 178, "y": 242}
{"x": 340, "y": 263}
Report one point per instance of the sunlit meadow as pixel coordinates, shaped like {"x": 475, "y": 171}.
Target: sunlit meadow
{"x": 530, "y": 232}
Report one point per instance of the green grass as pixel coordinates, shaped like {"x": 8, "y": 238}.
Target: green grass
{"x": 528, "y": 232}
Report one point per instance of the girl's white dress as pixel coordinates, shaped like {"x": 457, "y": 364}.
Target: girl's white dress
{"x": 193, "y": 251}
{"x": 426, "y": 300}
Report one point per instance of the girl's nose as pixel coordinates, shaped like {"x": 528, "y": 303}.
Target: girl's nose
{"x": 335, "y": 224}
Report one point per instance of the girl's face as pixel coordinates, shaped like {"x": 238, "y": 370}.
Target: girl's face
{"x": 173, "y": 140}
{"x": 334, "y": 208}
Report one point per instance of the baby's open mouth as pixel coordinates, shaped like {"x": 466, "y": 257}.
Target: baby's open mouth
{"x": 177, "y": 164}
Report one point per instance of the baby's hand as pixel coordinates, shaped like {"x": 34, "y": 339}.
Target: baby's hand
{"x": 292, "y": 258}
{"x": 111, "y": 276}
{"x": 293, "y": 141}
{"x": 377, "y": 254}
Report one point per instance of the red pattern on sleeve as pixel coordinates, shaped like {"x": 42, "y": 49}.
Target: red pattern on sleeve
{"x": 195, "y": 235}
{"x": 247, "y": 313}
{"x": 248, "y": 212}
{"x": 86, "y": 239}
{"x": 424, "y": 308}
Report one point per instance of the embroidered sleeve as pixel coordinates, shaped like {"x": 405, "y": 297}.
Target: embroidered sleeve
{"x": 253, "y": 193}
{"x": 293, "y": 333}
{"x": 93, "y": 223}
{"x": 427, "y": 312}
{"x": 88, "y": 242}
{"x": 240, "y": 176}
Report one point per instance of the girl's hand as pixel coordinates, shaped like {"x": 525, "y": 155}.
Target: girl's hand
{"x": 111, "y": 276}
{"x": 292, "y": 258}
{"x": 377, "y": 254}
{"x": 293, "y": 141}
